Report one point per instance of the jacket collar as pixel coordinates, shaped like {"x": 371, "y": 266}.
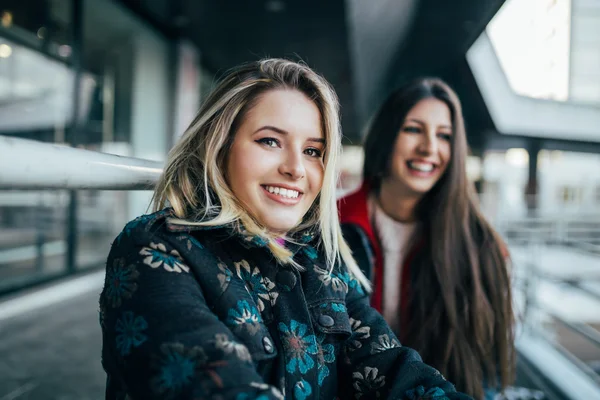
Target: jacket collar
{"x": 353, "y": 209}
{"x": 297, "y": 241}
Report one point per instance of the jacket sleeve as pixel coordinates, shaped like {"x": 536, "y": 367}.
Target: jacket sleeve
{"x": 361, "y": 249}
{"x": 160, "y": 339}
{"x": 378, "y": 366}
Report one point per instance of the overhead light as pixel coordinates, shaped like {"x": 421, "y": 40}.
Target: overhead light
{"x": 7, "y": 18}
{"x": 275, "y": 6}
{"x": 5, "y": 50}
{"x": 64, "y": 50}
{"x": 517, "y": 157}
{"x": 41, "y": 33}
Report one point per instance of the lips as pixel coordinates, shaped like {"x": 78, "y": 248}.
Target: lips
{"x": 421, "y": 166}
{"x": 281, "y": 191}
{"x": 282, "y": 195}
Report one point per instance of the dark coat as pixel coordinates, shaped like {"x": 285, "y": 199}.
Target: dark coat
{"x": 197, "y": 313}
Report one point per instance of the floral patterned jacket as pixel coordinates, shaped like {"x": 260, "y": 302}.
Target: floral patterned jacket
{"x": 197, "y": 313}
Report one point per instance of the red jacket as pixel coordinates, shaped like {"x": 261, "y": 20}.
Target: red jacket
{"x": 353, "y": 210}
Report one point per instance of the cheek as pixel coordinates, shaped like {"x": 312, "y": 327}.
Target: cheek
{"x": 446, "y": 151}
{"x": 316, "y": 174}
{"x": 238, "y": 167}
{"x": 403, "y": 146}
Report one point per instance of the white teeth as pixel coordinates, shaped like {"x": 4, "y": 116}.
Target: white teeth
{"x": 423, "y": 167}
{"x": 289, "y": 193}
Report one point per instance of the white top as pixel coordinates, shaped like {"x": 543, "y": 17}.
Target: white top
{"x": 394, "y": 238}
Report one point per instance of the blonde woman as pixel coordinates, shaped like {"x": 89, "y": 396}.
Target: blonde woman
{"x": 240, "y": 285}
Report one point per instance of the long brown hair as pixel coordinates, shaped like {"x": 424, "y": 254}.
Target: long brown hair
{"x": 461, "y": 317}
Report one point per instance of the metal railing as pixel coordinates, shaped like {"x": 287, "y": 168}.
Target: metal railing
{"x": 540, "y": 318}
{"x": 27, "y": 164}
{"x": 36, "y": 166}
{"x": 579, "y": 232}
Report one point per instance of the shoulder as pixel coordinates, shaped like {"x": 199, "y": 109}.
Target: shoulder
{"x": 156, "y": 231}
{"x": 354, "y": 235}
{"x": 143, "y": 228}
{"x": 191, "y": 252}
{"x": 354, "y": 205}
{"x": 163, "y": 225}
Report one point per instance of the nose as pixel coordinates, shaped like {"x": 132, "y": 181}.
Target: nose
{"x": 429, "y": 143}
{"x": 292, "y": 166}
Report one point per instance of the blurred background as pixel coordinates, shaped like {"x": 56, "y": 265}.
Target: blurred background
{"x": 125, "y": 77}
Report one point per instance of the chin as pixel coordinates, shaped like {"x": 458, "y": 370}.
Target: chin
{"x": 280, "y": 224}
{"x": 422, "y": 190}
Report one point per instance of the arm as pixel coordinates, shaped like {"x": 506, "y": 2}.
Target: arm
{"x": 379, "y": 367}
{"x": 160, "y": 339}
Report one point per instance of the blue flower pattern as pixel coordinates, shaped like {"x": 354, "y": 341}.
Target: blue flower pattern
{"x": 130, "y": 330}
{"x": 261, "y": 289}
{"x": 326, "y": 355}
{"x": 351, "y": 282}
{"x": 310, "y": 252}
{"x": 337, "y": 307}
{"x": 244, "y": 315}
{"x": 157, "y": 255}
{"x": 176, "y": 368}
{"x": 302, "y": 390}
{"x": 419, "y": 393}
{"x": 246, "y": 396}
{"x": 224, "y": 275}
{"x": 298, "y": 347}
{"x": 190, "y": 242}
{"x": 120, "y": 282}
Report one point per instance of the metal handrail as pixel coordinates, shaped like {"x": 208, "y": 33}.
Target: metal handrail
{"x": 583, "y": 288}
{"x": 28, "y": 164}
{"x": 583, "y": 330}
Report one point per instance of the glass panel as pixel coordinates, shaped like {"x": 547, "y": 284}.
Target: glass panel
{"x": 47, "y": 29}
{"x": 550, "y": 49}
{"x": 32, "y": 236}
{"x": 101, "y": 216}
{"x": 124, "y": 110}
{"x": 35, "y": 94}
{"x": 35, "y": 103}
{"x": 532, "y": 39}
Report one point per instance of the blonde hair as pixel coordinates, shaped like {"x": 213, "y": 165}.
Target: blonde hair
{"x": 193, "y": 181}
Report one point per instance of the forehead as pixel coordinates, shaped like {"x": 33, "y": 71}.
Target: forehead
{"x": 286, "y": 109}
{"x": 430, "y": 110}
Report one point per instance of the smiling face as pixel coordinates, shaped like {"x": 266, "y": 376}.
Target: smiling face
{"x": 275, "y": 164}
{"x": 422, "y": 149}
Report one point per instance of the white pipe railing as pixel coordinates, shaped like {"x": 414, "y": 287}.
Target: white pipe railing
{"x": 27, "y": 164}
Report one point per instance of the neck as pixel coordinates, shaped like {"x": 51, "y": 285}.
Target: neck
{"x": 396, "y": 203}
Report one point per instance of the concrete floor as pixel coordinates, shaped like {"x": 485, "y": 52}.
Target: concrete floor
{"x": 53, "y": 353}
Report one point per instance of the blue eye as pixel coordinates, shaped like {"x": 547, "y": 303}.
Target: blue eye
{"x": 270, "y": 142}
{"x": 313, "y": 152}
{"x": 412, "y": 129}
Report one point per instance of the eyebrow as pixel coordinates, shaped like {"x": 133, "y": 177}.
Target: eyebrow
{"x": 422, "y": 123}
{"x": 283, "y": 132}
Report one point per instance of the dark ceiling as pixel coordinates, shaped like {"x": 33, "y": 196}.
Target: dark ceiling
{"x": 365, "y": 48}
